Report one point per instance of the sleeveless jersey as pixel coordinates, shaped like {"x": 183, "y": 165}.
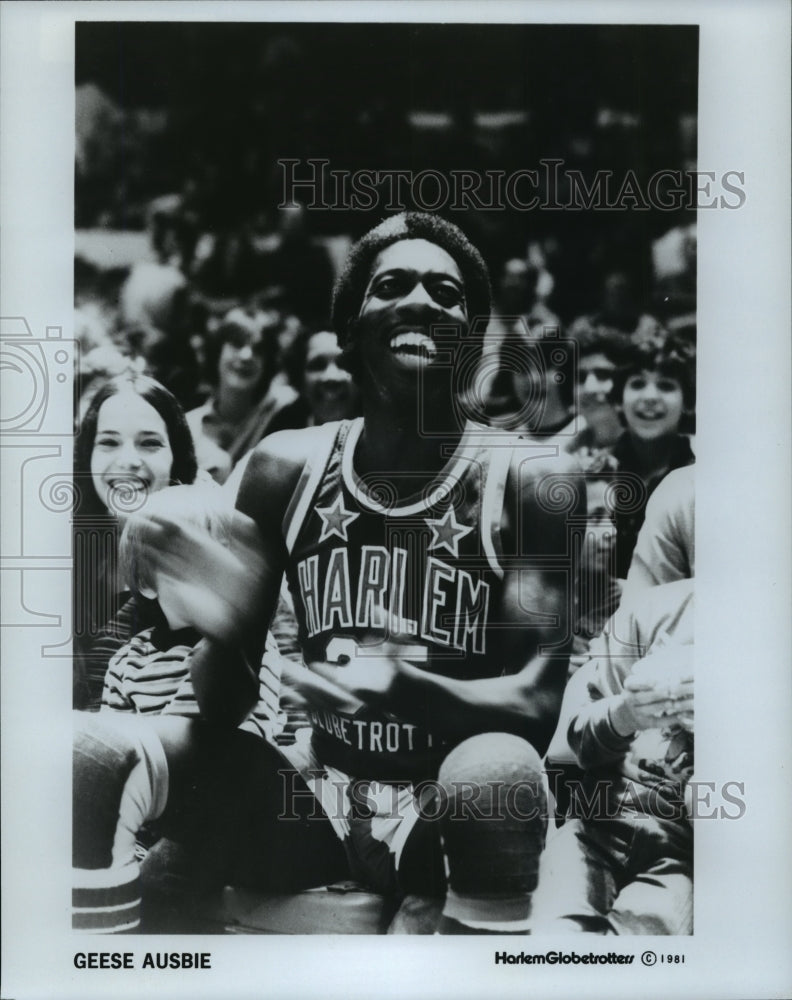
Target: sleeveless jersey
{"x": 365, "y": 566}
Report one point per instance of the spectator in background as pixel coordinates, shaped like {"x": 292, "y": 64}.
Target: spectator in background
{"x": 517, "y": 309}
{"x": 601, "y": 351}
{"x": 597, "y": 597}
{"x": 626, "y": 865}
{"x": 173, "y": 231}
{"x": 171, "y": 360}
{"x": 98, "y": 365}
{"x": 666, "y": 546}
{"x": 539, "y": 375}
{"x": 598, "y": 590}
{"x": 299, "y": 268}
{"x": 231, "y": 271}
{"x": 518, "y": 295}
{"x": 653, "y": 393}
{"x": 326, "y": 389}
{"x": 247, "y": 403}
{"x": 96, "y": 302}
{"x": 133, "y": 441}
{"x": 327, "y": 392}
{"x": 664, "y": 553}
{"x": 154, "y": 294}
{"x": 156, "y": 298}
{"x": 139, "y": 760}
{"x": 619, "y": 310}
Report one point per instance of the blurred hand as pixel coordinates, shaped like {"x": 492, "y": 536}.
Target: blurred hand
{"x": 369, "y": 680}
{"x": 355, "y": 675}
{"x": 219, "y": 587}
{"x": 303, "y": 688}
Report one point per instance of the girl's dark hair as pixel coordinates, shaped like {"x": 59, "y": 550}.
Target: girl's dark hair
{"x": 590, "y": 339}
{"x": 184, "y": 467}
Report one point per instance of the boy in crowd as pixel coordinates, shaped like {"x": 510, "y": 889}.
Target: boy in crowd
{"x": 601, "y": 352}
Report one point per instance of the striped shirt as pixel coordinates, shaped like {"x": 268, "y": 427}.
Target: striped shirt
{"x": 150, "y": 675}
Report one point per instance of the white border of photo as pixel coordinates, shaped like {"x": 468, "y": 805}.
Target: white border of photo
{"x": 744, "y": 730}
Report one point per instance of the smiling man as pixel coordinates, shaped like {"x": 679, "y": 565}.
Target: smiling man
{"x": 431, "y": 579}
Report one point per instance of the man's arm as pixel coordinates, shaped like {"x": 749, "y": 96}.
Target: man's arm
{"x": 590, "y": 730}
{"x": 534, "y": 617}
{"x": 638, "y": 678}
{"x": 226, "y": 663}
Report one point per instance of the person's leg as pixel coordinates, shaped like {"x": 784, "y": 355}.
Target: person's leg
{"x": 120, "y": 780}
{"x": 472, "y": 838}
{"x": 626, "y": 875}
{"x": 659, "y": 898}
{"x": 577, "y": 878}
{"x": 394, "y": 847}
{"x": 658, "y": 901}
{"x": 245, "y": 818}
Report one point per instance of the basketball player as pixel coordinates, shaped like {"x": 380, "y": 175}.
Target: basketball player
{"x": 429, "y": 566}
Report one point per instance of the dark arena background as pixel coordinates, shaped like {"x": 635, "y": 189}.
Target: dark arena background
{"x": 202, "y": 113}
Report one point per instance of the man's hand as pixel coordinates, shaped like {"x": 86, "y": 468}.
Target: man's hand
{"x": 355, "y": 675}
{"x": 658, "y": 692}
{"x": 651, "y": 704}
{"x": 306, "y": 689}
{"x": 218, "y": 587}
{"x": 369, "y": 680}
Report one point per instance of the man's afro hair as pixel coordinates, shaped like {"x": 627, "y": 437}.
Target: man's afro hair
{"x": 351, "y": 285}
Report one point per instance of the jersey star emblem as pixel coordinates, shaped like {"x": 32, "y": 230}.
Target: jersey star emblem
{"x": 336, "y": 519}
{"x": 446, "y": 532}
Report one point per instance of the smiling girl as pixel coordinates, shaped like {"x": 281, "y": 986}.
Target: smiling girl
{"x": 133, "y": 441}
{"x": 653, "y": 393}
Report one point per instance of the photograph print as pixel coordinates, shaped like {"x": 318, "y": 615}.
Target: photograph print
{"x": 384, "y": 478}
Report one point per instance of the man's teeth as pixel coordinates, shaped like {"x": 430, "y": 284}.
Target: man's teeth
{"x": 414, "y": 343}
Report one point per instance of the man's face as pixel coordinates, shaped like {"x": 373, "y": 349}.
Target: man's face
{"x": 414, "y": 287}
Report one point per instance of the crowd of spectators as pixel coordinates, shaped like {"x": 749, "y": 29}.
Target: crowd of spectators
{"x": 181, "y": 380}
{"x": 217, "y": 333}
{"x": 239, "y": 338}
